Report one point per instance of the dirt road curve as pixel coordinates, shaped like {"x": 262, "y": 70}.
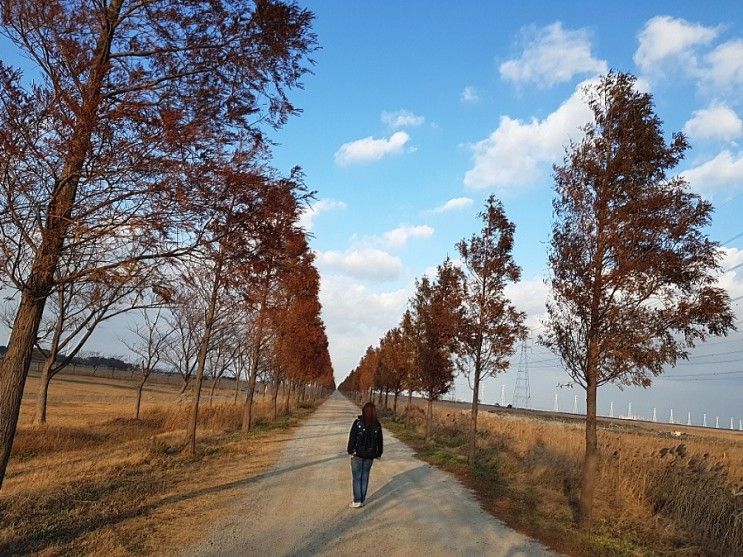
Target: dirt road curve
{"x": 301, "y": 507}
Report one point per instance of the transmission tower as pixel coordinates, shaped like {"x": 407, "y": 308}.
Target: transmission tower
{"x": 522, "y": 393}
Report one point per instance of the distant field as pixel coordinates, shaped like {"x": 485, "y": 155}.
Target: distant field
{"x": 96, "y": 481}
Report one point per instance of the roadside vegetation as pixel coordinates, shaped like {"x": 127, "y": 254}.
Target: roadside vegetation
{"x": 656, "y": 495}
{"x": 97, "y": 481}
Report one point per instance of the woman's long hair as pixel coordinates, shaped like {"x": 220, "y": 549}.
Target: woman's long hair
{"x": 369, "y": 414}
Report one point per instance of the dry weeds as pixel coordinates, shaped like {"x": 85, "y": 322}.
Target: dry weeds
{"x": 96, "y": 481}
{"x": 655, "y": 494}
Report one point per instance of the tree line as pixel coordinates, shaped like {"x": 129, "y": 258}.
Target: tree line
{"x": 633, "y": 278}
{"x": 136, "y": 176}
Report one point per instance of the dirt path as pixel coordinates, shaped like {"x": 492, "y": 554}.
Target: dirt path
{"x": 301, "y": 506}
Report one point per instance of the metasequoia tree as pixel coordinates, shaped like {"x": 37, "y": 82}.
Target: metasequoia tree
{"x": 149, "y": 340}
{"x": 491, "y": 325}
{"x": 436, "y": 314}
{"x": 397, "y": 362}
{"x": 634, "y": 277}
{"x": 108, "y": 142}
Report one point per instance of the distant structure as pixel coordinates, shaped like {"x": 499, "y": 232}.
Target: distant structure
{"x": 670, "y": 419}
{"x": 629, "y": 410}
{"x": 611, "y": 409}
{"x": 704, "y": 420}
{"x": 557, "y": 405}
{"x": 688, "y": 419}
{"x": 717, "y": 422}
{"x": 655, "y": 415}
{"x": 522, "y": 392}
{"x": 575, "y": 404}
{"x": 502, "y": 395}
{"x": 731, "y": 424}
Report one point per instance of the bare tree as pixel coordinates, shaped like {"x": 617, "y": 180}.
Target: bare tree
{"x": 148, "y": 344}
{"x": 491, "y": 325}
{"x": 185, "y": 322}
{"x": 634, "y": 277}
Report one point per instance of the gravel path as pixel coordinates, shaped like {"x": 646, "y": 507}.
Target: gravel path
{"x": 301, "y": 506}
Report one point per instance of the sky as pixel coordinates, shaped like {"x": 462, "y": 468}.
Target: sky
{"x": 417, "y": 111}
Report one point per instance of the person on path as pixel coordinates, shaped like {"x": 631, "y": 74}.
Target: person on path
{"x": 364, "y": 445}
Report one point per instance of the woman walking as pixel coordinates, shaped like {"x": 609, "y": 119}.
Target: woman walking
{"x": 364, "y": 445}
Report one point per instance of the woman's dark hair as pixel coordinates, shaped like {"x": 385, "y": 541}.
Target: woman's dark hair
{"x": 369, "y": 414}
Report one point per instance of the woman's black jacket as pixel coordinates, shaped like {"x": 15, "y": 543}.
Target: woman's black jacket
{"x": 363, "y": 441}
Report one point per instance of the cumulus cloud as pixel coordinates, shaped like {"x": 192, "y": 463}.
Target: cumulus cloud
{"x": 454, "y": 204}
{"x": 371, "y": 149}
{"x": 552, "y": 55}
{"x": 356, "y": 317}
{"x": 401, "y": 119}
{"x": 306, "y": 219}
{"x": 666, "y": 38}
{"x": 516, "y": 152}
{"x": 725, "y": 171}
{"x": 469, "y": 95}
{"x": 361, "y": 263}
{"x": 724, "y": 66}
{"x": 398, "y": 237}
{"x": 718, "y": 121}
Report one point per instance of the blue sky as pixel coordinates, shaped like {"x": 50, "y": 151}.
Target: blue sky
{"x": 453, "y": 101}
{"x": 417, "y": 111}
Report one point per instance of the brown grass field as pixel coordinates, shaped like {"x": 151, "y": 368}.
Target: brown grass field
{"x": 96, "y": 481}
{"x": 656, "y": 495}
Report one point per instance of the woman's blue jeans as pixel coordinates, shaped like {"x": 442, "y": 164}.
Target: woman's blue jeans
{"x": 360, "y": 471}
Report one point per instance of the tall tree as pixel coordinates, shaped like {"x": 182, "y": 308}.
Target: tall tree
{"x": 633, "y": 274}
{"x": 437, "y": 316}
{"x": 492, "y": 324}
{"x": 108, "y": 142}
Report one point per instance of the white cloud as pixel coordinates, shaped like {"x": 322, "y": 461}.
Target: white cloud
{"x": 356, "y": 317}
{"x": 469, "y": 95}
{"x": 725, "y": 66}
{"x": 306, "y": 219}
{"x": 401, "y": 119}
{"x": 516, "y": 152}
{"x": 361, "y": 263}
{"x": 665, "y": 37}
{"x": 552, "y": 55}
{"x": 725, "y": 171}
{"x": 530, "y": 296}
{"x": 398, "y": 237}
{"x": 371, "y": 149}
{"x": 454, "y": 204}
{"x": 718, "y": 121}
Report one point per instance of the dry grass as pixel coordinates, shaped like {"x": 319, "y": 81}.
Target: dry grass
{"x": 96, "y": 481}
{"x": 655, "y": 494}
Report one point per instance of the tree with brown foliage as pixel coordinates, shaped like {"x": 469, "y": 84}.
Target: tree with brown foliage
{"x": 397, "y": 363}
{"x": 110, "y": 141}
{"x": 492, "y": 325}
{"x": 437, "y": 317}
{"x": 634, "y": 277}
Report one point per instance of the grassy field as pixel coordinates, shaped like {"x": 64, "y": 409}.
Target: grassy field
{"x": 656, "y": 494}
{"x": 96, "y": 481}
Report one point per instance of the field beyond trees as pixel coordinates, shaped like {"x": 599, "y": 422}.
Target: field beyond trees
{"x": 95, "y": 480}
{"x": 656, "y": 494}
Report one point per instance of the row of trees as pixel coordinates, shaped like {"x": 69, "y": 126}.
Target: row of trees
{"x": 634, "y": 277}
{"x": 135, "y": 174}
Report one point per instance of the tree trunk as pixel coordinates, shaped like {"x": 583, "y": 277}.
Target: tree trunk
{"x": 237, "y": 386}
{"x": 410, "y": 398}
{"x": 43, "y": 392}
{"x": 386, "y": 398}
{"x": 590, "y": 462}
{"x": 429, "y": 419}
{"x": 215, "y": 380}
{"x": 473, "y": 427}
{"x": 138, "y": 403}
{"x": 201, "y": 364}
{"x": 275, "y": 396}
{"x": 394, "y": 405}
{"x": 287, "y": 392}
{"x": 185, "y": 385}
